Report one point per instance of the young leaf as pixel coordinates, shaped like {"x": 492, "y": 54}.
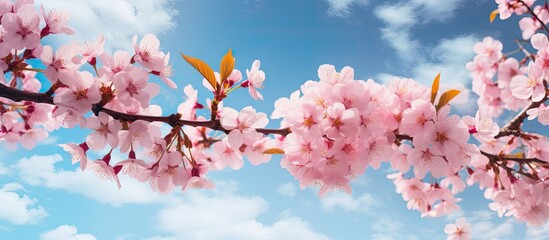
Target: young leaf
{"x": 203, "y": 68}
{"x": 493, "y": 15}
{"x": 273, "y": 151}
{"x": 227, "y": 65}
{"x": 446, "y": 97}
{"x": 434, "y": 88}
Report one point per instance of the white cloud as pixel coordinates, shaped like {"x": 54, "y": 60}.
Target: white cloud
{"x": 347, "y": 202}
{"x": 537, "y": 233}
{"x": 118, "y": 20}
{"x": 287, "y": 189}
{"x": 385, "y": 228}
{"x": 65, "y": 232}
{"x": 222, "y": 214}
{"x": 3, "y": 170}
{"x": 40, "y": 171}
{"x": 482, "y": 226}
{"x": 400, "y": 18}
{"x": 343, "y": 8}
{"x": 18, "y": 209}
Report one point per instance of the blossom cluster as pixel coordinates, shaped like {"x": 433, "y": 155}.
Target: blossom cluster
{"x": 332, "y": 129}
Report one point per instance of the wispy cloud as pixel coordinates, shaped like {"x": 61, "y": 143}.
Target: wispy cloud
{"x": 287, "y": 189}
{"x": 483, "y": 226}
{"x": 18, "y": 209}
{"x": 348, "y": 203}
{"x": 118, "y": 20}
{"x": 537, "y": 233}
{"x": 224, "y": 214}
{"x": 41, "y": 171}
{"x": 65, "y": 232}
{"x": 343, "y": 8}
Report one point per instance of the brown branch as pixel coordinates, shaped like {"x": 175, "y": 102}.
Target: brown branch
{"x": 173, "y": 119}
{"x": 513, "y": 126}
{"x": 519, "y": 160}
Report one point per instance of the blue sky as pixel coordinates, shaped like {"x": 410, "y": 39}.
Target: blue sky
{"x": 46, "y": 195}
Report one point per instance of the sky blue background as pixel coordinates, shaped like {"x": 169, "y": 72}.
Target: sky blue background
{"x": 291, "y": 38}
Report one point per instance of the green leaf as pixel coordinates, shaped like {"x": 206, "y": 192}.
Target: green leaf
{"x": 227, "y": 65}
{"x": 203, "y": 68}
{"x": 273, "y": 151}
{"x": 434, "y": 88}
{"x": 446, "y": 97}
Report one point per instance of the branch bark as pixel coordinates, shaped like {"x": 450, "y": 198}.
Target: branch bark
{"x": 173, "y": 119}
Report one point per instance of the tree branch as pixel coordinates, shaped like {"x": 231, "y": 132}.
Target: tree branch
{"x": 173, "y": 119}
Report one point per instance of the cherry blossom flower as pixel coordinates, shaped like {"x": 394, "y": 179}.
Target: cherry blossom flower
{"x": 81, "y": 93}
{"x": 103, "y": 170}
{"x": 418, "y": 118}
{"x": 90, "y": 51}
{"x": 22, "y": 28}
{"x": 147, "y": 53}
{"x": 132, "y": 85}
{"x": 532, "y": 86}
{"x": 114, "y": 64}
{"x": 226, "y": 155}
{"x": 29, "y": 137}
{"x": 56, "y": 22}
{"x": 105, "y": 131}
{"x": 137, "y": 132}
{"x": 169, "y": 173}
{"x": 255, "y": 80}
{"x": 507, "y": 7}
{"x": 328, "y": 74}
{"x": 490, "y": 49}
{"x": 77, "y": 152}
{"x": 340, "y": 121}
{"x": 461, "y": 230}
{"x": 541, "y": 113}
{"x": 242, "y": 125}
{"x": 60, "y": 66}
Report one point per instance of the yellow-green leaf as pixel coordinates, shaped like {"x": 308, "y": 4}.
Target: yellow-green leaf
{"x": 203, "y": 68}
{"x": 446, "y": 97}
{"x": 227, "y": 65}
{"x": 493, "y": 15}
{"x": 434, "y": 88}
{"x": 273, "y": 151}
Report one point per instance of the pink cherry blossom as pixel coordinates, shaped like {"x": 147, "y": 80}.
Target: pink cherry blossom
{"x": 90, "y": 51}
{"x": 137, "y": 132}
{"x": 255, "y": 80}
{"x": 425, "y": 159}
{"x": 226, "y": 155}
{"x": 328, "y": 74}
{"x": 489, "y": 49}
{"x": 541, "y": 113}
{"x": 105, "y": 131}
{"x": 147, "y": 53}
{"x": 114, "y": 64}
{"x": 418, "y": 118}
{"x": 60, "y": 66}
{"x": 30, "y": 137}
{"x": 461, "y": 230}
{"x": 242, "y": 125}
{"x": 507, "y": 7}
{"x": 56, "y": 22}
{"x": 103, "y": 170}
{"x": 81, "y": 93}
{"x": 532, "y": 86}
{"x": 132, "y": 85}
{"x": 22, "y": 28}
{"x": 340, "y": 121}
{"x": 77, "y": 152}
